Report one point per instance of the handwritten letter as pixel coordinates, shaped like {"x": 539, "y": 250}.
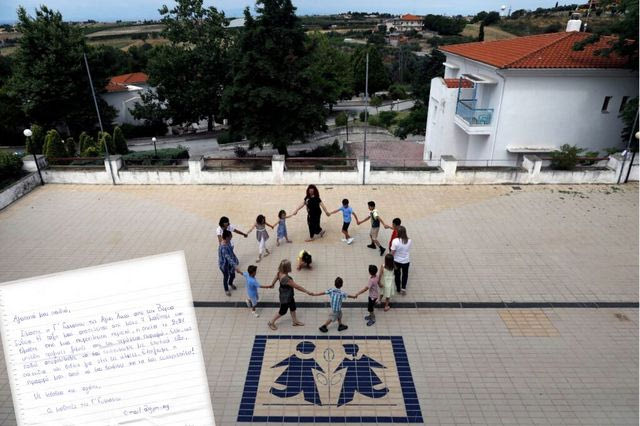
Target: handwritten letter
{"x": 113, "y": 344}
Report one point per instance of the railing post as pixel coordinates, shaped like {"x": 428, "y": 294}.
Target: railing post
{"x": 196, "y": 164}
{"x": 449, "y": 166}
{"x": 277, "y": 169}
{"x": 364, "y": 169}
{"x": 533, "y": 165}
{"x": 113, "y": 164}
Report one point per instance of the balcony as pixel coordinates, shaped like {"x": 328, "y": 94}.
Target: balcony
{"x": 474, "y": 121}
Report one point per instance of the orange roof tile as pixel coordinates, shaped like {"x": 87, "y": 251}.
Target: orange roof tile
{"x": 119, "y": 83}
{"x": 454, "y": 83}
{"x": 410, "y": 17}
{"x": 539, "y": 51}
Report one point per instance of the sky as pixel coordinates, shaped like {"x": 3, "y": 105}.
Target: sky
{"x": 111, "y": 10}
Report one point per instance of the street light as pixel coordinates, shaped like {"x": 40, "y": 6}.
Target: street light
{"x": 153, "y": 139}
{"x": 28, "y": 133}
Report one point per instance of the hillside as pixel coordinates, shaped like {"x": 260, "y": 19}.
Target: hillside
{"x": 490, "y": 33}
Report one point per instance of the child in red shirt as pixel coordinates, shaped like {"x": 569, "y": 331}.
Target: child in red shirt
{"x": 394, "y": 225}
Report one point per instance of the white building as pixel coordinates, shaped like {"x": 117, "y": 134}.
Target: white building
{"x": 123, "y": 93}
{"x": 405, "y": 23}
{"x": 501, "y": 99}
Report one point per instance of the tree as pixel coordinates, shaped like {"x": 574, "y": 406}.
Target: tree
{"x": 53, "y": 146}
{"x": 341, "y": 119}
{"x": 35, "y": 143}
{"x": 273, "y": 99}
{"x": 85, "y": 142}
{"x": 330, "y": 69}
{"x": 376, "y": 101}
{"x": 190, "y": 73}
{"x": 378, "y": 76}
{"x": 49, "y": 74}
{"x": 480, "y": 16}
{"x": 626, "y": 31}
{"x": 444, "y": 25}
{"x": 119, "y": 142}
{"x": 481, "y": 32}
{"x": 70, "y": 146}
{"x": 414, "y": 123}
{"x": 428, "y": 68}
{"x": 491, "y": 18}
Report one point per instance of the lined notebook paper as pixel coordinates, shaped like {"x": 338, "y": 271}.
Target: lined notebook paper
{"x": 115, "y": 344}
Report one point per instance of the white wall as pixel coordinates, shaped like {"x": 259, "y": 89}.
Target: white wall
{"x": 553, "y": 108}
{"x": 531, "y": 108}
{"x": 122, "y": 102}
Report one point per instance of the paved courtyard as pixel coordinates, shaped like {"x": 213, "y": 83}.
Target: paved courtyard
{"x": 559, "y": 251}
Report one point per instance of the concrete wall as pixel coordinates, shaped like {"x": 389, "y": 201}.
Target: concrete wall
{"x": 531, "y": 172}
{"x": 122, "y": 102}
{"x": 18, "y": 189}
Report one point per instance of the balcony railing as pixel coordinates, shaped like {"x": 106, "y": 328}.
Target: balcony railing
{"x": 466, "y": 110}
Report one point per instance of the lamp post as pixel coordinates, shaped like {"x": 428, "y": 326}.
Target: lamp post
{"x": 153, "y": 139}
{"x": 366, "y": 117}
{"x": 28, "y": 133}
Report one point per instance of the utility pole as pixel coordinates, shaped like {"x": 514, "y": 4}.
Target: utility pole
{"x": 95, "y": 101}
{"x": 366, "y": 118}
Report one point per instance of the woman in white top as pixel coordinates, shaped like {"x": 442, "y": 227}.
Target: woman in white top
{"x": 400, "y": 248}
{"x": 224, "y": 225}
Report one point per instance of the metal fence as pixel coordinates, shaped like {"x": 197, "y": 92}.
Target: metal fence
{"x": 405, "y": 165}
{"x": 465, "y": 164}
{"x": 76, "y": 162}
{"x": 237, "y": 163}
{"x": 321, "y": 163}
{"x": 155, "y": 163}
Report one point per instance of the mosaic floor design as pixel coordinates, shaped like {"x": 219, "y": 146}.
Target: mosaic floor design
{"x": 312, "y": 379}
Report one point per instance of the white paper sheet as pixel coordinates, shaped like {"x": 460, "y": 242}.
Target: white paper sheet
{"x": 115, "y": 344}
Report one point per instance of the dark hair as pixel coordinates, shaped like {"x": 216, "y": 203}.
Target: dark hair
{"x": 338, "y": 282}
{"x": 402, "y": 234}
{"x": 388, "y": 262}
{"x": 226, "y": 234}
{"x": 373, "y": 269}
{"x": 345, "y": 202}
{"x": 315, "y": 192}
{"x": 223, "y": 220}
{"x": 396, "y": 221}
{"x": 281, "y": 213}
{"x": 306, "y": 258}
{"x": 252, "y": 269}
{"x": 371, "y": 204}
{"x": 260, "y": 219}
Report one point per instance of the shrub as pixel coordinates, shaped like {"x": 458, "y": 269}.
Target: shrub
{"x": 53, "y": 146}
{"x": 341, "y": 119}
{"x": 240, "y": 151}
{"x": 229, "y": 137}
{"x": 397, "y": 91}
{"x": 386, "y": 118}
{"x": 362, "y": 116}
{"x": 91, "y": 151}
{"x": 332, "y": 150}
{"x": 566, "y": 158}
{"x": 374, "y": 120}
{"x": 165, "y": 154}
{"x": 10, "y": 166}
{"x": 119, "y": 142}
{"x": 70, "y": 145}
{"x": 131, "y": 131}
{"x": 36, "y": 142}
{"x": 105, "y": 139}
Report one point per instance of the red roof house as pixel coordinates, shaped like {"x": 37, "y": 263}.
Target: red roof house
{"x": 119, "y": 83}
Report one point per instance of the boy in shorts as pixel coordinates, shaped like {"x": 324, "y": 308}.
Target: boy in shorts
{"x": 336, "y": 296}
{"x": 252, "y": 288}
{"x": 347, "y": 212}
{"x": 376, "y": 220}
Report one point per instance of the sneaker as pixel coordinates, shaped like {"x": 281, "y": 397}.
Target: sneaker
{"x": 248, "y": 302}
{"x": 404, "y": 292}
{"x": 382, "y": 250}
{"x": 342, "y": 327}
{"x": 233, "y": 287}
{"x": 344, "y": 240}
{"x": 255, "y": 314}
{"x": 322, "y": 233}
{"x": 323, "y": 328}
{"x": 371, "y": 322}
{"x": 228, "y": 293}
{"x": 350, "y": 240}
{"x": 371, "y": 246}
{"x": 368, "y": 317}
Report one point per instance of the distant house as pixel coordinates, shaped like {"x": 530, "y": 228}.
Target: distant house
{"x": 405, "y": 23}
{"x": 499, "y": 100}
{"x": 123, "y": 92}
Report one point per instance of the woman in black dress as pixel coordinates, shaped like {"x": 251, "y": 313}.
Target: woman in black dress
{"x": 314, "y": 204}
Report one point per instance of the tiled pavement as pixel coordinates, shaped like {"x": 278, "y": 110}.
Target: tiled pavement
{"x": 474, "y": 244}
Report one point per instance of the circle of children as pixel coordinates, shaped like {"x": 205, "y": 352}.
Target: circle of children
{"x": 383, "y": 283}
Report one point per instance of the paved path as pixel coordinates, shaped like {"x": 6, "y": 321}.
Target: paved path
{"x": 471, "y": 244}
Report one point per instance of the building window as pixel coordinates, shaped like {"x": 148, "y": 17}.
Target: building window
{"x": 605, "y": 104}
{"x": 435, "y": 111}
{"x": 623, "y": 103}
